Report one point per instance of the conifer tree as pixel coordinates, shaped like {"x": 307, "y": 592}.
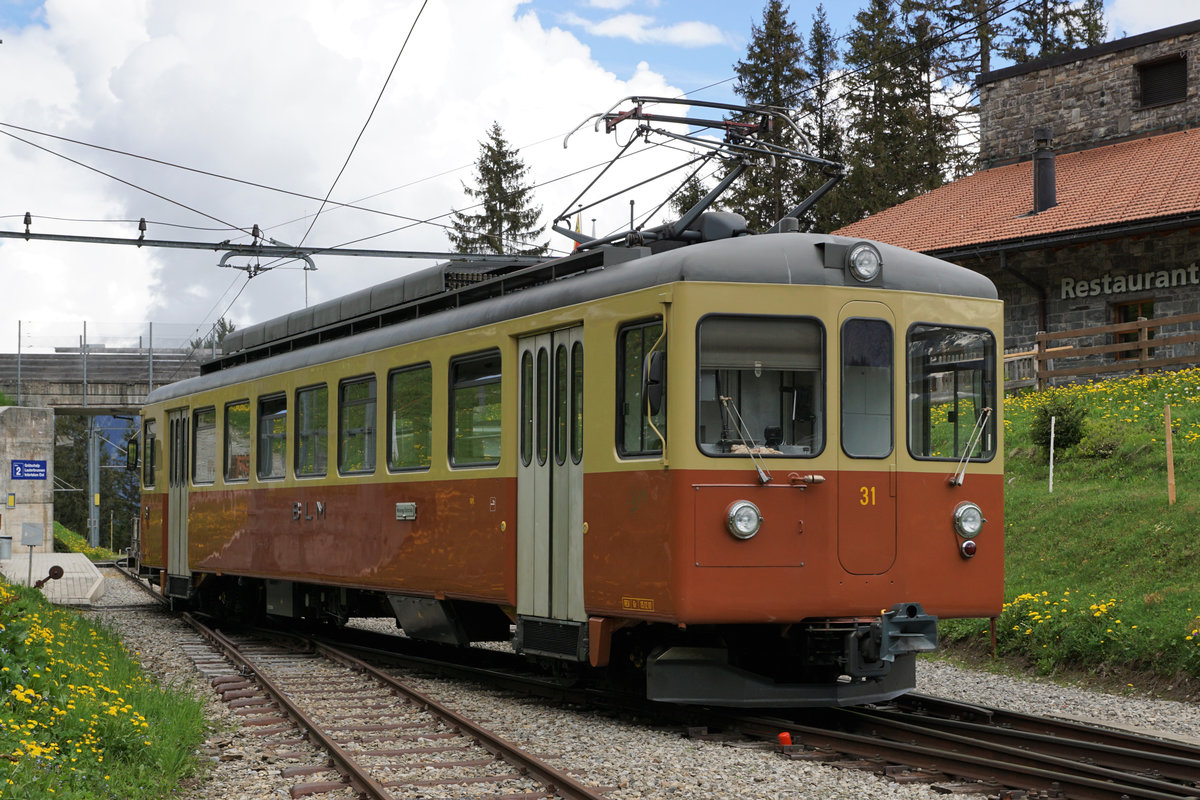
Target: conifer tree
{"x": 1049, "y": 27}
{"x": 883, "y": 110}
{"x": 771, "y": 74}
{"x": 504, "y": 220}
{"x": 821, "y": 121}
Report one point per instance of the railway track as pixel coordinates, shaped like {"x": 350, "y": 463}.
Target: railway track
{"x": 383, "y": 738}
{"x": 1027, "y": 755}
{"x": 916, "y": 738}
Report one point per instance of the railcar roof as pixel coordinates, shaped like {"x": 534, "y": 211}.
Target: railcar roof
{"x": 423, "y": 305}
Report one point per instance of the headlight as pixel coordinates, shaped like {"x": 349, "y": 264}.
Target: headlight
{"x": 864, "y": 261}
{"x": 743, "y": 519}
{"x": 968, "y": 520}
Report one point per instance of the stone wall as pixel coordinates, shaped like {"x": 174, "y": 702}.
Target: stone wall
{"x": 1087, "y": 98}
{"x": 1125, "y": 270}
{"x": 27, "y": 434}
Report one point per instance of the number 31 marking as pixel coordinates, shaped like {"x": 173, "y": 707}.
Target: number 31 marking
{"x": 868, "y": 495}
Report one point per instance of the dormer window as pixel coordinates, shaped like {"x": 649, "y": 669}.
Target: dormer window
{"x": 1163, "y": 81}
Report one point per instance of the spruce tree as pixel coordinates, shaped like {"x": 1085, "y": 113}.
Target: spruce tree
{"x": 504, "y": 219}
{"x": 822, "y": 123}
{"x": 771, "y": 74}
{"x": 1049, "y": 27}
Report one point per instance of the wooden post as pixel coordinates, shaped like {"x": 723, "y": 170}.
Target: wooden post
{"x": 1143, "y": 352}
{"x": 1170, "y": 458}
{"x": 1039, "y": 364}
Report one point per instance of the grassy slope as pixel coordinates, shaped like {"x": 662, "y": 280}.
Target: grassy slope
{"x": 1102, "y": 574}
{"x": 78, "y": 716}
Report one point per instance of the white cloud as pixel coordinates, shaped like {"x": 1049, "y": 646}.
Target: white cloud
{"x": 641, "y": 29}
{"x": 275, "y": 92}
{"x": 1130, "y": 17}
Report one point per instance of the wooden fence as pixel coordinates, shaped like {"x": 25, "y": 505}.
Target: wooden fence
{"x": 1041, "y": 366}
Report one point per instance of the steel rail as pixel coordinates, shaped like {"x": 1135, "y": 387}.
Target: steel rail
{"x": 554, "y": 779}
{"x": 1079, "y": 744}
{"x": 1068, "y": 762}
{"x": 1099, "y": 734}
{"x": 350, "y": 769}
{"x": 956, "y": 763}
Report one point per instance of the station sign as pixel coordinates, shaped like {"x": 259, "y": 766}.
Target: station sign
{"x": 28, "y": 470}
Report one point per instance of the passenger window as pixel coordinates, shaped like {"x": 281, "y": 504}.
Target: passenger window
{"x": 204, "y": 446}
{"x": 410, "y": 418}
{"x": 577, "y": 403}
{"x": 761, "y": 386}
{"x": 867, "y": 388}
{"x": 951, "y": 387}
{"x": 237, "y": 441}
{"x": 475, "y": 410}
{"x": 272, "y": 437}
{"x": 356, "y": 426}
{"x": 150, "y": 456}
{"x": 312, "y": 431}
{"x": 526, "y": 408}
{"x": 635, "y": 436}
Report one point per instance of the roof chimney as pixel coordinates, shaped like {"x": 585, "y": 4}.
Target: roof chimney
{"x": 1044, "y": 195}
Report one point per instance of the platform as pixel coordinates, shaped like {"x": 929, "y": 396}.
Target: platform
{"x": 80, "y": 585}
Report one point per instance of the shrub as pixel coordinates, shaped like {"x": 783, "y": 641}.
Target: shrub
{"x": 1068, "y": 414}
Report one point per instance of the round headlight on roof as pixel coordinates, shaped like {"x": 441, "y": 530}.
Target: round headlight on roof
{"x": 743, "y": 519}
{"x": 864, "y": 262}
{"x": 968, "y": 520}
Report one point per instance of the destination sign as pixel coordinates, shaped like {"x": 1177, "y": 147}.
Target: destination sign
{"x": 27, "y": 470}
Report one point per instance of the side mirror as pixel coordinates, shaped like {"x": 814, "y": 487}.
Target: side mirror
{"x": 131, "y": 455}
{"x": 654, "y": 381}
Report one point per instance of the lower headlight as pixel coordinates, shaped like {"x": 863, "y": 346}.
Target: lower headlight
{"x": 743, "y": 519}
{"x": 968, "y": 520}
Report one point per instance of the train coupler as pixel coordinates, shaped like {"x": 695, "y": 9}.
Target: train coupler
{"x": 905, "y": 629}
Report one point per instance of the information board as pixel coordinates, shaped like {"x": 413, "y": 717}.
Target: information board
{"x": 28, "y": 470}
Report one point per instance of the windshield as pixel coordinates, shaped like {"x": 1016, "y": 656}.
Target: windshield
{"x": 951, "y": 380}
{"x": 760, "y": 386}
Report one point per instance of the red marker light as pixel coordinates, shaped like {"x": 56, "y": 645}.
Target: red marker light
{"x": 967, "y": 549}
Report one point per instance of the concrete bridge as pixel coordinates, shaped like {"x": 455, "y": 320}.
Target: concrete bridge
{"x": 98, "y": 381}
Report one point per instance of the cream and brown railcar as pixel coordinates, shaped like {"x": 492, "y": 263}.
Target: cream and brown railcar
{"x": 754, "y": 469}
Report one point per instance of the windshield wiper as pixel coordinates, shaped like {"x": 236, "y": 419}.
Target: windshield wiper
{"x": 960, "y": 472}
{"x": 739, "y": 426}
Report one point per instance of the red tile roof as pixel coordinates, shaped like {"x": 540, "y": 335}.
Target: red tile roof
{"x": 1137, "y": 180}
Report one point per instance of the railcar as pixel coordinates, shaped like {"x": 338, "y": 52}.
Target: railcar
{"x": 747, "y": 469}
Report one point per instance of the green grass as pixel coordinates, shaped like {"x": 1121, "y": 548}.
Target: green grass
{"x": 67, "y": 541}
{"x": 78, "y": 717}
{"x": 1103, "y": 574}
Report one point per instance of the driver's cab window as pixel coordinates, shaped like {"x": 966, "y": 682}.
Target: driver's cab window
{"x": 641, "y": 429}
{"x": 761, "y": 386}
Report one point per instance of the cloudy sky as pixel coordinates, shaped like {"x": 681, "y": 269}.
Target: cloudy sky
{"x": 209, "y": 118}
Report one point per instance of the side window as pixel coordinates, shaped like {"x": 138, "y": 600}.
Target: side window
{"x": 356, "y": 425}
{"x": 951, "y": 391}
{"x": 237, "y": 441}
{"x": 866, "y": 388}
{"x": 150, "y": 456}
{"x": 272, "y": 436}
{"x": 204, "y": 446}
{"x": 410, "y": 418}
{"x": 475, "y": 410}
{"x": 312, "y": 430}
{"x": 635, "y": 436}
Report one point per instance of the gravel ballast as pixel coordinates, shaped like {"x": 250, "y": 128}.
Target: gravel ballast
{"x": 630, "y": 760}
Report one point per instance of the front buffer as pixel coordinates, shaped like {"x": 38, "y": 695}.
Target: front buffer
{"x": 876, "y": 661}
